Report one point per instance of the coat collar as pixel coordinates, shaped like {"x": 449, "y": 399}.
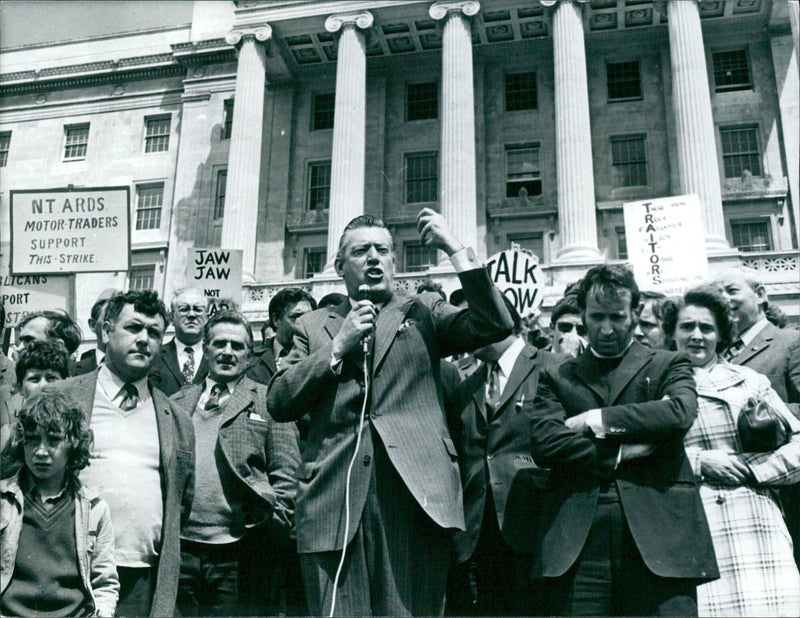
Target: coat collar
{"x": 762, "y": 340}
{"x": 587, "y": 371}
{"x": 243, "y": 394}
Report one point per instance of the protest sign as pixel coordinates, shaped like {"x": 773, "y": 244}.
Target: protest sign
{"x": 218, "y": 272}
{"x": 518, "y": 276}
{"x": 666, "y": 243}
{"x": 66, "y": 231}
{"x": 24, "y": 294}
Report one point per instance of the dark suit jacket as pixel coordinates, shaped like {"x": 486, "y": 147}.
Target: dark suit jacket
{"x": 495, "y": 454}
{"x": 166, "y": 373}
{"x": 176, "y": 444}
{"x": 263, "y": 366}
{"x": 652, "y": 400}
{"x": 86, "y": 364}
{"x": 261, "y": 454}
{"x": 412, "y": 334}
{"x": 775, "y": 352}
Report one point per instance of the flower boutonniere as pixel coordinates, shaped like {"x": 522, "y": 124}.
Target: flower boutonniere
{"x": 406, "y": 325}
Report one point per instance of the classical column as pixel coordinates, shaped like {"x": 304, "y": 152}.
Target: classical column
{"x": 698, "y": 168}
{"x": 577, "y": 223}
{"x": 457, "y": 188}
{"x": 244, "y": 159}
{"x": 349, "y": 125}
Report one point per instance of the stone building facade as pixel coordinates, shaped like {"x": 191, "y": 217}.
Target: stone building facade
{"x": 266, "y": 126}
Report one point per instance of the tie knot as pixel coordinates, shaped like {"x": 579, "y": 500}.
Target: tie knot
{"x": 213, "y": 402}
{"x": 130, "y": 397}
{"x": 189, "y": 352}
{"x": 129, "y": 389}
{"x": 217, "y": 389}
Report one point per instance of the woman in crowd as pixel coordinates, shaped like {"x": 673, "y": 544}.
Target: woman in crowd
{"x": 758, "y": 575}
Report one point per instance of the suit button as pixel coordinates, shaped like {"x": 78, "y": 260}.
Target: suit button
{"x": 721, "y": 498}
{"x": 367, "y": 459}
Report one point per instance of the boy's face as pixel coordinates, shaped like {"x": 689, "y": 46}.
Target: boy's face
{"x": 46, "y": 457}
{"x": 36, "y": 378}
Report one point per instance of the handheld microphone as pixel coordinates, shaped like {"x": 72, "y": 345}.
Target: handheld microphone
{"x": 364, "y": 294}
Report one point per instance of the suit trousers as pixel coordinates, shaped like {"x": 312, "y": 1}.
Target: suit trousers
{"x": 396, "y": 564}
{"x": 209, "y": 581}
{"x": 610, "y": 578}
{"x": 495, "y": 580}
{"x": 136, "y": 589}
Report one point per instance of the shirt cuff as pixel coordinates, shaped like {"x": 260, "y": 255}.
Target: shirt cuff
{"x": 465, "y": 259}
{"x": 336, "y": 365}
{"x": 594, "y": 420}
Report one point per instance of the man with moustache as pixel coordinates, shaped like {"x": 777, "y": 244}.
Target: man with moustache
{"x": 143, "y": 454}
{"x": 622, "y": 529}
{"x": 403, "y": 496}
{"x": 181, "y": 361}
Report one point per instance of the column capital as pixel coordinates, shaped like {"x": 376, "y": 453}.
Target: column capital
{"x": 439, "y": 10}
{"x": 262, "y": 33}
{"x": 362, "y": 20}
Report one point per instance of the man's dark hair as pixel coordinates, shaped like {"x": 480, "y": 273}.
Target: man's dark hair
{"x": 60, "y": 326}
{"x": 51, "y": 410}
{"x": 566, "y": 305}
{"x": 43, "y": 355}
{"x": 776, "y": 316}
{"x": 286, "y": 297}
{"x": 227, "y": 317}
{"x": 457, "y": 297}
{"x": 357, "y": 223}
{"x": 608, "y": 280}
{"x": 97, "y": 308}
{"x": 143, "y": 301}
{"x": 331, "y": 300}
{"x": 658, "y": 302}
{"x": 429, "y": 285}
{"x": 703, "y": 296}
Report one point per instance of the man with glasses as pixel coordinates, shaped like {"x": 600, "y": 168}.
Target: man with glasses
{"x": 181, "y": 360}
{"x": 568, "y": 331}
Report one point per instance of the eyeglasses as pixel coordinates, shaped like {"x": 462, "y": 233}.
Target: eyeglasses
{"x": 566, "y": 327}
{"x": 186, "y": 309}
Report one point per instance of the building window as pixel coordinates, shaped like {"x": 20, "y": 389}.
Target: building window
{"x": 418, "y": 257}
{"x": 422, "y": 101}
{"x": 740, "y": 151}
{"x": 141, "y": 277}
{"x": 520, "y": 91}
{"x": 628, "y": 161}
{"x": 623, "y": 81}
{"x": 622, "y": 242}
{"x": 532, "y": 242}
{"x": 731, "y": 70}
{"x": 313, "y": 261}
{"x": 227, "y": 118}
{"x": 522, "y": 170}
{"x": 156, "y": 138}
{"x": 219, "y": 194}
{"x": 76, "y": 139}
{"x": 319, "y": 185}
{"x": 5, "y": 146}
{"x": 149, "y": 199}
{"x": 422, "y": 177}
{"x": 751, "y": 235}
{"x": 322, "y": 111}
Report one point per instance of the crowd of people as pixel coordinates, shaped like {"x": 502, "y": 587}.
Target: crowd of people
{"x": 378, "y": 453}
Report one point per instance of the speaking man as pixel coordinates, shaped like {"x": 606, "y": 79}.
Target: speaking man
{"x": 244, "y": 479}
{"x": 622, "y": 530}
{"x": 143, "y": 454}
{"x": 404, "y": 494}
{"x": 181, "y": 361}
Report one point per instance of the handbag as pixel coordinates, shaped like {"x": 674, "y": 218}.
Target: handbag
{"x": 761, "y": 428}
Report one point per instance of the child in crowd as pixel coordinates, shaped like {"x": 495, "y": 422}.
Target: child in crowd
{"x": 40, "y": 363}
{"x": 56, "y": 541}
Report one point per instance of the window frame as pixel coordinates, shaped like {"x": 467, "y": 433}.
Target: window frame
{"x": 308, "y": 252}
{"x": 227, "y": 119}
{"x": 149, "y": 268}
{"x": 519, "y": 92}
{"x": 141, "y": 210}
{"x": 623, "y": 99}
{"x": 310, "y": 166}
{"x": 423, "y": 248}
{"x": 621, "y": 240}
{"x": 766, "y": 221}
{"x": 421, "y": 101}
{"x": 520, "y": 237}
{"x": 315, "y": 112}
{"x": 5, "y": 147}
{"x": 218, "y": 212}
{"x": 739, "y": 86}
{"x": 627, "y": 165}
{"x": 537, "y": 146}
{"x": 157, "y": 139}
{"x": 435, "y": 177}
{"x": 726, "y": 157}
{"x": 78, "y": 126}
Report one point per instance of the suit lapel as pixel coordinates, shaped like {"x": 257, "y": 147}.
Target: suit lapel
{"x": 335, "y": 318}
{"x": 634, "y": 359}
{"x": 522, "y": 368}
{"x": 585, "y": 370}
{"x": 762, "y": 340}
{"x": 242, "y": 396}
{"x": 475, "y": 384}
{"x": 164, "y": 423}
{"x": 169, "y": 354}
{"x": 389, "y": 320}
{"x": 188, "y": 397}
